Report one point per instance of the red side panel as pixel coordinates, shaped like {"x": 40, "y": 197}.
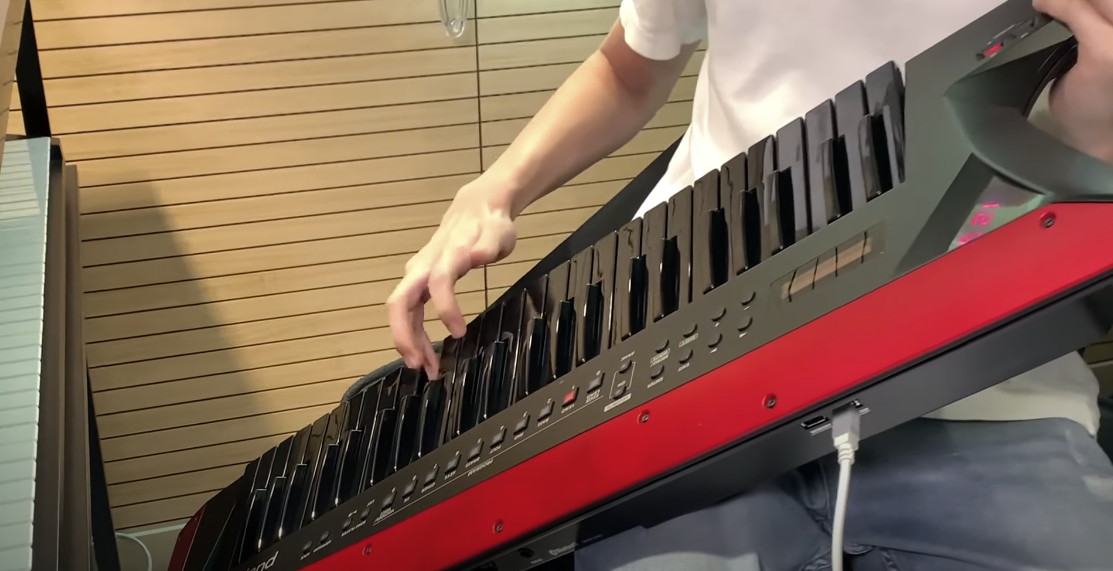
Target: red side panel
{"x": 184, "y": 543}
{"x": 963, "y": 292}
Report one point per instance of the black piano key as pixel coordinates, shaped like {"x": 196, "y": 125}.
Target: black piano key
{"x": 466, "y": 385}
{"x": 498, "y": 395}
{"x": 732, "y": 197}
{"x": 348, "y": 471}
{"x": 404, "y": 447}
{"x": 257, "y": 473}
{"x": 513, "y": 337}
{"x": 885, "y": 98}
{"x": 792, "y": 162}
{"x": 315, "y": 456}
{"x": 601, "y": 303}
{"x": 680, "y": 245}
{"x": 533, "y": 367}
{"x": 763, "y": 179}
{"x": 654, "y": 228}
{"x": 276, "y": 494}
{"x": 242, "y": 549}
{"x": 229, "y": 546}
{"x": 867, "y": 151}
{"x": 448, "y": 367}
{"x": 491, "y": 350}
{"x": 587, "y": 307}
{"x": 705, "y": 203}
{"x": 823, "y": 195}
{"x": 432, "y": 416}
{"x": 561, "y": 315}
{"x": 296, "y": 472}
{"x": 360, "y": 471}
{"x": 630, "y": 283}
{"x": 324, "y": 489}
{"x": 850, "y": 112}
{"x": 386, "y": 423}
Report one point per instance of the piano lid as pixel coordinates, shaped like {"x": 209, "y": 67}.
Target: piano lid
{"x": 23, "y": 216}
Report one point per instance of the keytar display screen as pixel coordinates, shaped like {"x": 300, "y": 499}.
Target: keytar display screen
{"x": 999, "y": 204}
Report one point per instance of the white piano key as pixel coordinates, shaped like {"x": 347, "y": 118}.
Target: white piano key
{"x": 18, "y": 470}
{"x": 21, "y": 511}
{"x": 15, "y": 535}
{"x": 17, "y": 384}
{"x": 18, "y": 433}
{"x": 19, "y": 416}
{"x": 19, "y": 369}
{"x": 16, "y": 558}
{"x": 11, "y": 451}
{"x": 10, "y": 401}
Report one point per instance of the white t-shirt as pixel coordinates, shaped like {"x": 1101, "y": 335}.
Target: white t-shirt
{"x": 769, "y": 62}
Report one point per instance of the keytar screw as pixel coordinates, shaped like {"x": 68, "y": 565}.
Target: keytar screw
{"x": 367, "y": 549}
{"x": 770, "y": 401}
{"x": 644, "y": 418}
{"x": 1047, "y": 220}
{"x": 498, "y": 527}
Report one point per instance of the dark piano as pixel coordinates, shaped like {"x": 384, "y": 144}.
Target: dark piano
{"x": 887, "y": 251}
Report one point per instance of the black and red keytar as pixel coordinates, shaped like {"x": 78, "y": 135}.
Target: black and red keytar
{"x": 900, "y": 247}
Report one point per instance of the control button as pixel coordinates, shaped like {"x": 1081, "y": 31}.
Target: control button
{"x": 570, "y": 397}
{"x": 431, "y": 476}
{"x": 619, "y": 389}
{"x": 307, "y": 547}
{"x": 475, "y": 451}
{"x": 388, "y": 500}
{"x": 363, "y": 514}
{"x": 748, "y": 298}
{"x": 656, "y": 371}
{"x": 324, "y": 536}
{"x": 499, "y": 437}
{"x": 546, "y": 411}
{"x": 714, "y": 342}
{"x": 347, "y": 524}
{"x": 410, "y": 487}
{"x": 625, "y": 366}
{"x": 686, "y": 356}
{"x": 522, "y": 424}
{"x": 664, "y": 344}
{"x": 595, "y": 383}
{"x": 690, "y": 329}
{"x": 452, "y": 465}
{"x": 745, "y": 323}
{"x": 719, "y": 313}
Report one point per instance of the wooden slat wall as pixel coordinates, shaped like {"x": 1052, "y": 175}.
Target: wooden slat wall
{"x": 255, "y": 174}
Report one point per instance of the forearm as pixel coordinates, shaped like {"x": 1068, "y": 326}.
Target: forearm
{"x": 596, "y": 111}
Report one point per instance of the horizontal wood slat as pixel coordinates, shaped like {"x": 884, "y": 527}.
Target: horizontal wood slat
{"x": 266, "y": 156}
{"x": 202, "y": 53}
{"x": 238, "y": 132}
{"x": 252, "y": 77}
{"x": 265, "y": 103}
{"x": 544, "y": 26}
{"x": 543, "y": 77}
{"x": 494, "y": 8}
{"x": 68, "y": 9}
{"x": 188, "y": 25}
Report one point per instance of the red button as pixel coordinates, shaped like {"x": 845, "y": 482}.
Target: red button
{"x": 992, "y": 50}
{"x": 570, "y": 397}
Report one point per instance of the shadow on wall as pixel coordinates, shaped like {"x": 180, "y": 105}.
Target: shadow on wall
{"x": 155, "y": 350}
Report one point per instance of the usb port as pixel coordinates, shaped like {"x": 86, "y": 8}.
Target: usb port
{"x": 814, "y": 422}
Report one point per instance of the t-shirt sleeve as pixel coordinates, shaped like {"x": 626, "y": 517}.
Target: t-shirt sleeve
{"x": 657, "y": 29}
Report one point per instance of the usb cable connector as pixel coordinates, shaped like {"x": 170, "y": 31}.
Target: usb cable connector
{"x": 845, "y": 430}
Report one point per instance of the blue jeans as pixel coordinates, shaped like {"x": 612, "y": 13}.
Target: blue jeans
{"x": 930, "y": 495}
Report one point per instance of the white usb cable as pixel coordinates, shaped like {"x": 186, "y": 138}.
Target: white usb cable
{"x": 845, "y": 429}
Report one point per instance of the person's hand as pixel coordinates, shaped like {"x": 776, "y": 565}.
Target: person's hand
{"x": 1082, "y": 100}
{"x": 477, "y": 229}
